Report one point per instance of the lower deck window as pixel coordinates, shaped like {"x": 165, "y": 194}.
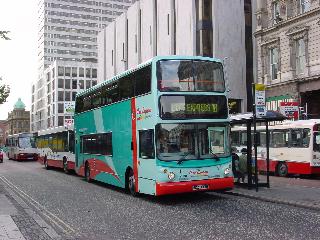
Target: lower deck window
{"x": 97, "y": 144}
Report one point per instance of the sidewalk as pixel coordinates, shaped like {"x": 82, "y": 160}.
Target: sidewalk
{"x": 15, "y": 221}
{"x": 298, "y": 192}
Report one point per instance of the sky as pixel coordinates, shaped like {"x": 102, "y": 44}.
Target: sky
{"x": 18, "y": 56}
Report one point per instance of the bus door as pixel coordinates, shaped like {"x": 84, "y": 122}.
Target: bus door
{"x": 146, "y": 160}
{"x": 217, "y": 140}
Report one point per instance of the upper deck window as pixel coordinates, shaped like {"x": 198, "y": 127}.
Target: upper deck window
{"x": 190, "y": 76}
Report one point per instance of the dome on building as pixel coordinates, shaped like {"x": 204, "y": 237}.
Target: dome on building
{"x": 19, "y": 105}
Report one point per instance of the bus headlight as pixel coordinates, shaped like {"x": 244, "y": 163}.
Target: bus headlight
{"x": 227, "y": 171}
{"x": 171, "y": 175}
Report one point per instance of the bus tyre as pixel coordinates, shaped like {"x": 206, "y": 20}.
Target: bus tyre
{"x": 282, "y": 169}
{"x": 46, "y": 164}
{"x": 132, "y": 183}
{"x": 87, "y": 173}
{"x": 65, "y": 165}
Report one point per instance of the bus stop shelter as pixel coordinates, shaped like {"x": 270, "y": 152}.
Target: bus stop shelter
{"x": 250, "y": 121}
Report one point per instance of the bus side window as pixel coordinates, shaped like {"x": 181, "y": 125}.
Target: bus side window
{"x": 146, "y": 144}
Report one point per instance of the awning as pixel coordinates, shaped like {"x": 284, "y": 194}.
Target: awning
{"x": 242, "y": 118}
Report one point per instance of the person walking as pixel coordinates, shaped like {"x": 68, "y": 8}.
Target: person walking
{"x": 242, "y": 165}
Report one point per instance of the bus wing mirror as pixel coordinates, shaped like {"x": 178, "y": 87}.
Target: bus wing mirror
{"x": 132, "y": 146}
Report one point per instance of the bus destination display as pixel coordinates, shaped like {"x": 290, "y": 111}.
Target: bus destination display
{"x": 192, "y": 107}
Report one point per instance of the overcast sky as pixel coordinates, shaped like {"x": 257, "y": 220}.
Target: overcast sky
{"x": 18, "y": 56}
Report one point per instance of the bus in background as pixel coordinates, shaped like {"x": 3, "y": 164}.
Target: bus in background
{"x": 294, "y": 146}
{"x": 161, "y": 128}
{"x": 56, "y": 148}
{"x": 21, "y": 147}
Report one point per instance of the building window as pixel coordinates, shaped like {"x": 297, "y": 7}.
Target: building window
{"x": 67, "y": 71}
{"x": 60, "y": 96}
{"x": 88, "y": 84}
{"x": 74, "y": 96}
{"x": 67, "y": 84}
{"x": 300, "y": 56}
{"x": 94, "y": 73}
{"x": 274, "y": 54}
{"x": 81, "y": 84}
{"x": 60, "y": 121}
{"x": 67, "y": 96}
{"x": 60, "y": 83}
{"x": 74, "y": 72}
{"x": 60, "y": 71}
{"x": 60, "y": 108}
{"x": 304, "y": 6}
{"x": 204, "y": 33}
{"x": 88, "y": 73}
{"x": 74, "y": 84}
{"x": 276, "y": 12}
{"x": 81, "y": 72}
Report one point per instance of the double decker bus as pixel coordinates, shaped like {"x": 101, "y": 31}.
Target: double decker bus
{"x": 161, "y": 128}
{"x": 21, "y": 147}
{"x": 294, "y": 146}
{"x": 56, "y": 147}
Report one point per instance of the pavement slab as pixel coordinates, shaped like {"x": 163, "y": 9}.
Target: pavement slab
{"x": 8, "y": 229}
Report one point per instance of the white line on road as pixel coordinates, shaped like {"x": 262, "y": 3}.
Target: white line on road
{"x": 53, "y": 218}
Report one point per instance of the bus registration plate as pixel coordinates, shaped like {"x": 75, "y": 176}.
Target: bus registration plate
{"x": 200, "y": 187}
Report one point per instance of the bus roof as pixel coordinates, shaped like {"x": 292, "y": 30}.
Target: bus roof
{"x": 55, "y": 130}
{"x": 154, "y": 59}
{"x": 285, "y": 125}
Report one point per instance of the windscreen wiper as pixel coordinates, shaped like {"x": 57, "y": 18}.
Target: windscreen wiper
{"x": 183, "y": 158}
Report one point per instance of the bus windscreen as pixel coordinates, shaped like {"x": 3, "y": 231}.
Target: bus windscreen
{"x": 190, "y": 76}
{"x": 26, "y": 142}
{"x": 193, "y": 107}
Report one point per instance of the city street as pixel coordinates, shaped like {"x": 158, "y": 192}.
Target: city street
{"x": 79, "y": 210}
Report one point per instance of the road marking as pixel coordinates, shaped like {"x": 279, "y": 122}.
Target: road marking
{"x": 53, "y": 218}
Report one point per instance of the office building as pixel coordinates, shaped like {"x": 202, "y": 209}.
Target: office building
{"x": 211, "y": 28}
{"x": 67, "y": 35}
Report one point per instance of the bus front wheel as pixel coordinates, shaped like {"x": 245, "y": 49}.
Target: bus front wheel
{"x": 131, "y": 183}
{"x": 87, "y": 173}
{"x": 282, "y": 169}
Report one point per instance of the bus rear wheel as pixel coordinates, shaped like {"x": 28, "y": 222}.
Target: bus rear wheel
{"x": 131, "y": 183}
{"x": 65, "y": 165}
{"x": 282, "y": 169}
{"x": 87, "y": 173}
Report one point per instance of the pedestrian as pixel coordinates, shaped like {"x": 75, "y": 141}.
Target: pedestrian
{"x": 235, "y": 162}
{"x": 242, "y": 165}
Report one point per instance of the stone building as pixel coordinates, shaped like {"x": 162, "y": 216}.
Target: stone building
{"x": 288, "y": 54}
{"x": 19, "y": 119}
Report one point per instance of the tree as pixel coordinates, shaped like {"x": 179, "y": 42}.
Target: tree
{"x": 4, "y": 92}
{"x": 3, "y": 34}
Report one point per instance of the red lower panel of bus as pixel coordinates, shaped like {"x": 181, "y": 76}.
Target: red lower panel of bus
{"x": 97, "y": 166}
{"x": 194, "y": 186}
{"x": 55, "y": 163}
{"x": 293, "y": 167}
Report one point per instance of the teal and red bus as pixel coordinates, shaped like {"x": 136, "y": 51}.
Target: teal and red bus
{"x": 160, "y": 128}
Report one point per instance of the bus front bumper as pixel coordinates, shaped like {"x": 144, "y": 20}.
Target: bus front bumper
{"x": 194, "y": 186}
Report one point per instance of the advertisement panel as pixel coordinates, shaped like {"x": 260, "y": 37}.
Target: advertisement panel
{"x": 69, "y": 108}
{"x": 290, "y": 109}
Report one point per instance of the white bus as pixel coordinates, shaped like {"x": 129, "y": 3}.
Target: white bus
{"x": 56, "y": 148}
{"x": 21, "y": 147}
{"x": 294, "y": 146}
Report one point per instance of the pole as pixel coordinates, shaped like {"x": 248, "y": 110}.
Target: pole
{"x": 254, "y": 120}
{"x": 268, "y": 160}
